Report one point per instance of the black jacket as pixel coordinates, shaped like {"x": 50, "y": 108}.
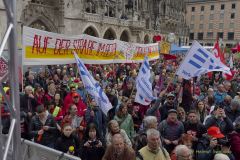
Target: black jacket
{"x": 27, "y": 104}
{"x": 232, "y": 115}
{"x": 225, "y": 125}
{"x": 93, "y": 152}
{"x": 48, "y": 136}
{"x": 63, "y": 143}
{"x": 203, "y": 150}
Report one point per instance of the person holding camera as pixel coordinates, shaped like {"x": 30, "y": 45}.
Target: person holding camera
{"x": 208, "y": 145}
{"x": 220, "y": 120}
{"x": 93, "y": 145}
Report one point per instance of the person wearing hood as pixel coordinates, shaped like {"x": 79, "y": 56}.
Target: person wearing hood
{"x": 68, "y": 142}
{"x": 171, "y": 130}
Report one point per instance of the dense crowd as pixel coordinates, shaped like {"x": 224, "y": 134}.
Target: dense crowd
{"x": 196, "y": 119}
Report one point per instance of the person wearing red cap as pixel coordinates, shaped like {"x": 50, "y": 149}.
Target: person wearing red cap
{"x": 208, "y": 144}
{"x": 74, "y": 97}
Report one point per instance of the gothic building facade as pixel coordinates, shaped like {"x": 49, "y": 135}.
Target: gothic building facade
{"x": 127, "y": 20}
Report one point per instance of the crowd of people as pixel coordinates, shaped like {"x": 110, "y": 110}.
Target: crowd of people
{"x": 195, "y": 119}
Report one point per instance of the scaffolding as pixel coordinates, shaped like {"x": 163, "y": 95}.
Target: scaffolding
{"x": 14, "y": 102}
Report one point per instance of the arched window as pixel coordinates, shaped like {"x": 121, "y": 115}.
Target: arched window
{"x": 110, "y": 34}
{"x": 124, "y": 36}
{"x": 91, "y": 31}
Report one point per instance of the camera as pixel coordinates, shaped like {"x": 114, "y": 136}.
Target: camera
{"x": 93, "y": 143}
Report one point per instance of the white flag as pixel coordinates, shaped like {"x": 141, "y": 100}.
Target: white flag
{"x": 199, "y": 61}
{"x": 92, "y": 87}
{"x": 144, "y": 93}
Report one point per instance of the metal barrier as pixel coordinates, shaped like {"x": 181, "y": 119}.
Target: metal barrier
{"x": 34, "y": 151}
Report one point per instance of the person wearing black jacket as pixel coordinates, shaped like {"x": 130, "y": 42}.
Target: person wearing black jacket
{"x": 68, "y": 140}
{"x": 93, "y": 145}
{"x": 220, "y": 120}
{"x": 43, "y": 127}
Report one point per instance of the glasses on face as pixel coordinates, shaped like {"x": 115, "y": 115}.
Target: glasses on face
{"x": 170, "y": 98}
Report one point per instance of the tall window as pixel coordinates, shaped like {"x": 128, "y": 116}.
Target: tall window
{"x": 220, "y": 25}
{"x": 230, "y": 35}
{"x": 193, "y": 9}
{"x": 200, "y": 26}
{"x": 232, "y": 15}
{"x": 212, "y": 7}
{"x": 201, "y": 17}
{"x": 220, "y": 35}
{"x": 209, "y": 34}
{"x": 200, "y": 36}
{"x": 222, "y": 6}
{"x": 202, "y": 8}
{"x": 231, "y": 25}
{"x": 191, "y": 36}
{"x": 233, "y": 6}
{"x": 210, "y": 26}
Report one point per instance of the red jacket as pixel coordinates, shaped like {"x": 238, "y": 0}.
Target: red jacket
{"x": 80, "y": 106}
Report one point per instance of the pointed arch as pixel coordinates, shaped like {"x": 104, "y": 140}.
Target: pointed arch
{"x": 110, "y": 34}
{"x": 125, "y": 36}
{"x": 92, "y": 31}
{"x": 44, "y": 22}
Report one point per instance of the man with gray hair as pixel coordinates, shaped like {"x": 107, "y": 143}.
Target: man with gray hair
{"x": 233, "y": 111}
{"x": 183, "y": 153}
{"x": 141, "y": 139}
{"x": 154, "y": 149}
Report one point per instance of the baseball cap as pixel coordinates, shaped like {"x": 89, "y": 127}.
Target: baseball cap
{"x": 75, "y": 95}
{"x": 215, "y": 132}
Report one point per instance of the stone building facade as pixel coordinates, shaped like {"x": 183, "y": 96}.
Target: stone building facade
{"x": 209, "y": 19}
{"x": 127, "y": 20}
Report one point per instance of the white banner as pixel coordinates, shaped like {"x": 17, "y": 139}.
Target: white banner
{"x": 43, "y": 48}
{"x": 199, "y": 61}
